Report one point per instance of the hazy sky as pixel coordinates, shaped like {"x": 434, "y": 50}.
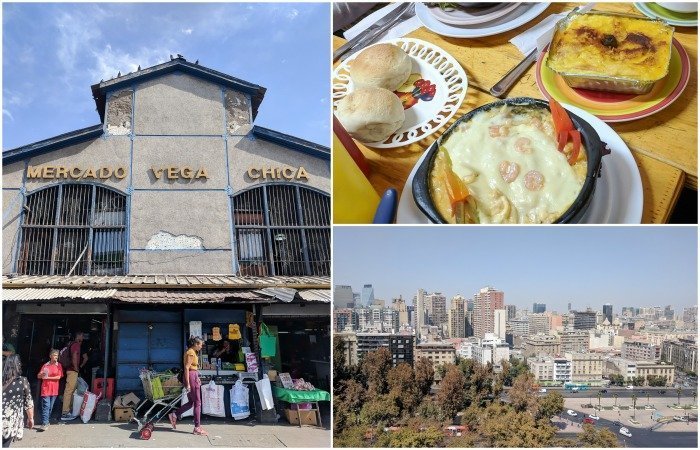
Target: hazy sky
{"x": 53, "y": 53}
{"x": 587, "y": 266}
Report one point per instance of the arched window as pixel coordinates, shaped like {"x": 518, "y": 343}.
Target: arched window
{"x": 282, "y": 229}
{"x": 73, "y": 229}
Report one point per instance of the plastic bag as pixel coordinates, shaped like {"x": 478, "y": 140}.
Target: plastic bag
{"x": 81, "y": 386}
{"x": 265, "y": 392}
{"x": 268, "y": 342}
{"x": 77, "y": 403}
{"x": 88, "y": 406}
{"x": 239, "y": 401}
{"x": 213, "y": 400}
{"x": 185, "y": 399}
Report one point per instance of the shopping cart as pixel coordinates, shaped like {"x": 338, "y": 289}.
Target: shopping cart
{"x": 163, "y": 394}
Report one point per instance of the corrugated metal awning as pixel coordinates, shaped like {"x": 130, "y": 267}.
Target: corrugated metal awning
{"x": 316, "y": 295}
{"x": 285, "y": 295}
{"x": 33, "y": 294}
{"x": 166, "y": 281}
{"x": 174, "y": 297}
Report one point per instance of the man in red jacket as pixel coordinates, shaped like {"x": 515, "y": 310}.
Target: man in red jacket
{"x": 71, "y": 376}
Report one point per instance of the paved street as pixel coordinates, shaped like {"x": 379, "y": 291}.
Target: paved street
{"x": 221, "y": 434}
{"x": 672, "y": 434}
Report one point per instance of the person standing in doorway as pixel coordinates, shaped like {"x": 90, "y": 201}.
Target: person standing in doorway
{"x": 50, "y": 375}
{"x": 69, "y": 358}
{"x": 190, "y": 379}
{"x": 16, "y": 400}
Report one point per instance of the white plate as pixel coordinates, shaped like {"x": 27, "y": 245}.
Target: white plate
{"x": 423, "y": 118}
{"x": 519, "y": 16}
{"x": 647, "y": 11}
{"x": 618, "y": 196}
{"x": 474, "y": 15}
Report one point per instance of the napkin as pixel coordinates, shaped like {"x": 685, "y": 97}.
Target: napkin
{"x": 527, "y": 41}
{"x": 399, "y": 30}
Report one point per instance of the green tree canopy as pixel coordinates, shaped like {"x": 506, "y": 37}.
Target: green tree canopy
{"x": 550, "y": 405}
{"x": 592, "y": 437}
{"x": 451, "y": 396}
{"x": 425, "y": 375}
{"x": 375, "y": 367}
{"x": 402, "y": 383}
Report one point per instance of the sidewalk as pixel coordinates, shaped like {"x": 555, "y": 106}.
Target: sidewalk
{"x": 221, "y": 434}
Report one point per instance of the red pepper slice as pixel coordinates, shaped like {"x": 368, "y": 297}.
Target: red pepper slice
{"x": 560, "y": 117}
{"x": 576, "y": 140}
{"x": 562, "y": 139}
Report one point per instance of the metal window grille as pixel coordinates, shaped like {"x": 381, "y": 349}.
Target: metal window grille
{"x": 282, "y": 229}
{"x": 77, "y": 229}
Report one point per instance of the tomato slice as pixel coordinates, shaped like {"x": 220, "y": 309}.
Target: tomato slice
{"x": 562, "y": 139}
{"x": 576, "y": 141}
{"x": 560, "y": 117}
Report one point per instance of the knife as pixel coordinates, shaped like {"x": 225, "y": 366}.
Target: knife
{"x": 504, "y": 84}
{"x": 382, "y": 23}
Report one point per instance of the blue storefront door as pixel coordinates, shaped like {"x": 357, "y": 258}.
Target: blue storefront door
{"x": 156, "y": 344}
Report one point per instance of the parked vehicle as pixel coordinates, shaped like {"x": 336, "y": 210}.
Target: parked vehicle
{"x": 629, "y": 388}
{"x": 589, "y": 420}
{"x": 680, "y": 418}
{"x": 572, "y": 413}
{"x": 603, "y": 391}
{"x": 662, "y": 392}
{"x": 625, "y": 432}
{"x": 574, "y": 390}
{"x": 543, "y": 390}
{"x": 594, "y": 417}
{"x": 617, "y": 423}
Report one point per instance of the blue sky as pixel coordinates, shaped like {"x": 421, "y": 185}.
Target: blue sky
{"x": 587, "y": 266}
{"x": 52, "y": 53}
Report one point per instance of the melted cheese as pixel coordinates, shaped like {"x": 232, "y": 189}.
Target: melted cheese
{"x": 476, "y": 156}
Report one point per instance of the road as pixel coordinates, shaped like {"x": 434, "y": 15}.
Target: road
{"x": 642, "y": 437}
{"x": 627, "y": 393}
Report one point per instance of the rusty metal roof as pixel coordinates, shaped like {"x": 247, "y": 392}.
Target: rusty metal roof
{"x": 33, "y": 294}
{"x": 220, "y": 282}
{"x": 173, "y": 297}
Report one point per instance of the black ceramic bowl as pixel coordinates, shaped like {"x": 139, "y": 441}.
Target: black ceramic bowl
{"x": 590, "y": 139}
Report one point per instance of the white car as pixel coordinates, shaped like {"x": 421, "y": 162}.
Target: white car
{"x": 594, "y": 417}
{"x": 571, "y": 412}
{"x": 625, "y": 432}
{"x": 543, "y": 390}
{"x": 629, "y": 388}
{"x": 680, "y": 418}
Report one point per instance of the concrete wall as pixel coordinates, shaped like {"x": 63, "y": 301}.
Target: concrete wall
{"x": 12, "y": 175}
{"x": 11, "y": 207}
{"x": 180, "y": 262}
{"x": 192, "y": 152}
{"x": 251, "y": 152}
{"x": 178, "y": 104}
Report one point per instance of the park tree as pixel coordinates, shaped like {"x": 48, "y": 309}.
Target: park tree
{"x": 550, "y": 405}
{"x": 480, "y": 384}
{"x": 355, "y": 437}
{"x": 523, "y": 394}
{"x": 381, "y": 410}
{"x": 412, "y": 437}
{"x": 592, "y": 437}
{"x": 430, "y": 410}
{"x": 339, "y": 363}
{"x": 502, "y": 426}
{"x": 451, "y": 395}
{"x": 375, "y": 367}
{"x": 425, "y": 374}
{"x": 402, "y": 383}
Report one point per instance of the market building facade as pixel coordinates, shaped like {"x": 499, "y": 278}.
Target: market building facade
{"x": 175, "y": 209}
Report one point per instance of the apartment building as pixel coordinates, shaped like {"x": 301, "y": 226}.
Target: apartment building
{"x": 539, "y": 323}
{"x": 585, "y": 367}
{"x": 542, "y": 344}
{"x": 574, "y": 341}
{"x": 439, "y": 353}
{"x": 682, "y": 353}
{"x": 640, "y": 350}
{"x": 400, "y": 345}
{"x": 349, "y": 340}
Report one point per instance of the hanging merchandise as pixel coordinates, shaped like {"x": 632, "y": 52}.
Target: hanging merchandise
{"x": 265, "y": 392}
{"x": 234, "y": 331}
{"x": 268, "y": 342}
{"x": 249, "y": 318}
{"x": 213, "y": 400}
{"x": 239, "y": 401}
{"x": 189, "y": 412}
{"x": 216, "y": 333}
{"x": 195, "y": 328}
{"x": 251, "y": 362}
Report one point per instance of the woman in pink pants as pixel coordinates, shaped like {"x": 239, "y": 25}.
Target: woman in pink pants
{"x": 190, "y": 378}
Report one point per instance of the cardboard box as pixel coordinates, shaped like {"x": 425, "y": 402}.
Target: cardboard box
{"x": 129, "y": 400}
{"x": 123, "y": 414}
{"x": 306, "y": 416}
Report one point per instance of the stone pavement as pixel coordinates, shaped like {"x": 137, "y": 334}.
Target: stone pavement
{"x": 221, "y": 434}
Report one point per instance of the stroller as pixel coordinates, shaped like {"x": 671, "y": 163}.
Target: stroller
{"x": 163, "y": 394}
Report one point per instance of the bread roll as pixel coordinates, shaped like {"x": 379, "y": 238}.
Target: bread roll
{"x": 383, "y": 65}
{"x": 370, "y": 114}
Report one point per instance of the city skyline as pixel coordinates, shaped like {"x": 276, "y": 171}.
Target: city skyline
{"x": 626, "y": 274}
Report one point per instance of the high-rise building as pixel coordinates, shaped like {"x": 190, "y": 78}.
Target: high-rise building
{"x": 584, "y": 320}
{"x": 640, "y": 351}
{"x": 690, "y": 315}
{"x": 608, "y": 312}
{"x": 520, "y": 327}
{"x": 436, "y": 309}
{"x": 668, "y": 312}
{"x": 486, "y": 301}
{"x": 682, "y": 353}
{"x": 367, "y": 295}
{"x": 342, "y": 296}
{"x": 511, "y": 310}
{"x": 344, "y": 319}
{"x": 539, "y": 323}
{"x": 469, "y": 323}
{"x": 420, "y": 313}
{"x": 539, "y": 308}
{"x": 400, "y": 346}
{"x": 456, "y": 321}
{"x": 568, "y": 309}
{"x": 402, "y": 309}
{"x": 499, "y": 323}
{"x": 575, "y": 341}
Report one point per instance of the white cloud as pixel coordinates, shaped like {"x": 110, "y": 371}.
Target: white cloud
{"x": 76, "y": 32}
{"x": 7, "y": 113}
{"x": 108, "y": 61}
{"x": 14, "y": 98}
{"x": 292, "y": 14}
{"x": 187, "y": 31}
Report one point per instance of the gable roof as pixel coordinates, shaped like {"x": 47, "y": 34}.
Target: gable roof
{"x": 52, "y": 143}
{"x": 99, "y": 90}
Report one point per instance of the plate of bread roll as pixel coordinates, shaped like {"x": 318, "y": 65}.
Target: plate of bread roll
{"x": 397, "y": 92}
